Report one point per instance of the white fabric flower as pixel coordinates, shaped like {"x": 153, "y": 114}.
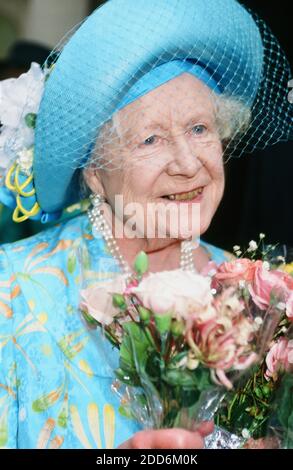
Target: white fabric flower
{"x": 25, "y": 159}
{"x": 18, "y": 97}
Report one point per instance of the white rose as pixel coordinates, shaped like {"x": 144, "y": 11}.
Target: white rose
{"x": 181, "y": 292}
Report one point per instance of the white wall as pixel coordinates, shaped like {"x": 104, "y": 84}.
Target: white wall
{"x": 45, "y": 20}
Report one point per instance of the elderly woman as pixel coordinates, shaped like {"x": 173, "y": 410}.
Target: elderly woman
{"x": 142, "y": 103}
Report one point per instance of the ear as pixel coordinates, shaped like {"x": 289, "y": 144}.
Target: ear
{"x": 93, "y": 180}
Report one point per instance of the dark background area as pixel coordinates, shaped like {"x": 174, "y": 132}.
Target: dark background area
{"x": 259, "y": 186}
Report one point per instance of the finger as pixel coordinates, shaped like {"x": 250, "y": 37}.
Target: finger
{"x": 204, "y": 428}
{"x": 167, "y": 439}
{"x": 126, "y": 445}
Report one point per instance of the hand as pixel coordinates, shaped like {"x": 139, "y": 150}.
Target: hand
{"x": 175, "y": 438}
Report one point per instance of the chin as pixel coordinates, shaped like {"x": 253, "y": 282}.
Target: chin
{"x": 205, "y": 222}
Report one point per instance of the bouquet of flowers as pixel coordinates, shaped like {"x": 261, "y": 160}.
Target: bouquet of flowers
{"x": 194, "y": 346}
{"x": 261, "y": 407}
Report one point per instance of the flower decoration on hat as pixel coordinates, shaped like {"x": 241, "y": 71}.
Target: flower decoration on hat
{"x": 19, "y": 104}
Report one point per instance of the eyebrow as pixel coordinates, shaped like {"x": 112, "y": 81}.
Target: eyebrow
{"x": 189, "y": 121}
{"x": 199, "y": 115}
{"x": 154, "y": 124}
{"x": 146, "y": 127}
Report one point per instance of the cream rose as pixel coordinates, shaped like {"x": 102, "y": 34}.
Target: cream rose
{"x": 97, "y": 300}
{"x": 180, "y": 292}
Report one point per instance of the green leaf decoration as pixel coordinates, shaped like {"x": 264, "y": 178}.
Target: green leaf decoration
{"x": 71, "y": 262}
{"x": 86, "y": 261}
{"x": 63, "y": 416}
{"x": 4, "y": 428}
{"x": 30, "y": 120}
{"x": 47, "y": 400}
{"x": 71, "y": 350}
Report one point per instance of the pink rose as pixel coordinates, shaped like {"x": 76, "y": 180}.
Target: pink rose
{"x": 280, "y": 357}
{"x": 265, "y": 282}
{"x": 181, "y": 292}
{"x": 222, "y": 346}
{"x": 97, "y": 299}
{"x": 230, "y": 273}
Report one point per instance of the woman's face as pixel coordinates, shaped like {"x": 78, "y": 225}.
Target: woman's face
{"x": 167, "y": 151}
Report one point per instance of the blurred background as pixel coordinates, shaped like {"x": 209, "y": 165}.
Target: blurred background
{"x": 258, "y": 196}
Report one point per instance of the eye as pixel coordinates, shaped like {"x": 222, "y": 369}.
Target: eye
{"x": 150, "y": 140}
{"x": 198, "y": 129}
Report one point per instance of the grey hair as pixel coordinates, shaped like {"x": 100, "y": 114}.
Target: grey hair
{"x": 233, "y": 117}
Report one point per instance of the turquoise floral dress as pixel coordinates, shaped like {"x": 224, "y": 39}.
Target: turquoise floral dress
{"x": 55, "y": 378}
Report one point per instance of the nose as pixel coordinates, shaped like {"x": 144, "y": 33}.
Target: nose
{"x": 183, "y": 159}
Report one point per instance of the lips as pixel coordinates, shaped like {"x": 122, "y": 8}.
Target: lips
{"x": 188, "y": 196}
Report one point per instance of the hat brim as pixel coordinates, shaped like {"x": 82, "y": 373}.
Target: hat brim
{"x": 115, "y": 47}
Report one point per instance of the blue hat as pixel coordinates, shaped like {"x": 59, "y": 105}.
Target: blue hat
{"x": 115, "y": 47}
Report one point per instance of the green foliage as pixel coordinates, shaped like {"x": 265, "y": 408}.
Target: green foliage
{"x": 248, "y": 406}
{"x": 198, "y": 379}
{"x": 146, "y": 363}
{"x": 284, "y": 410}
{"x": 133, "y": 353}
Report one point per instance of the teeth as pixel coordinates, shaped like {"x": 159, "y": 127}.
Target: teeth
{"x": 185, "y": 196}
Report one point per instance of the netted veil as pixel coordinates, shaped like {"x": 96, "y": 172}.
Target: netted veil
{"x": 127, "y": 49}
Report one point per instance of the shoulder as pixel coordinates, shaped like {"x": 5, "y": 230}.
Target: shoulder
{"x": 56, "y": 240}
{"x": 45, "y": 260}
{"x": 216, "y": 254}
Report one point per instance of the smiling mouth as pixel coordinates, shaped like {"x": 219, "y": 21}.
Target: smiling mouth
{"x": 185, "y": 196}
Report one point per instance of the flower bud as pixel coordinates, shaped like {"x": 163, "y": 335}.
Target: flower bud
{"x": 144, "y": 313}
{"x": 266, "y": 390}
{"x": 177, "y": 328}
{"x": 118, "y": 301}
{"x": 141, "y": 263}
{"x": 163, "y": 322}
{"x": 89, "y": 319}
{"x": 258, "y": 392}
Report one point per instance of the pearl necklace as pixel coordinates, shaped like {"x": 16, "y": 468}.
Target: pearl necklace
{"x": 100, "y": 225}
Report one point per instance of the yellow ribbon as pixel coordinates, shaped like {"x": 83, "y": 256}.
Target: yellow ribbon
{"x": 12, "y": 183}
